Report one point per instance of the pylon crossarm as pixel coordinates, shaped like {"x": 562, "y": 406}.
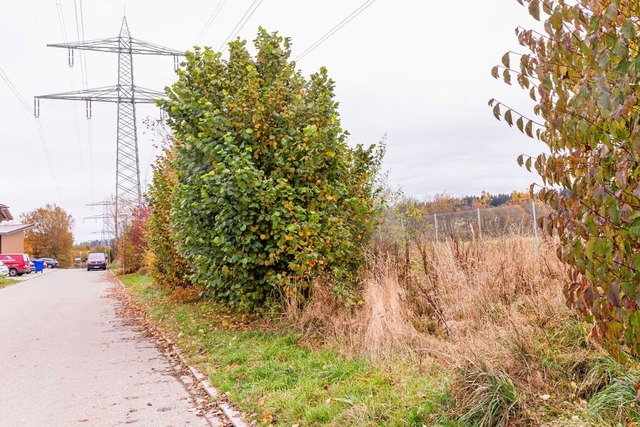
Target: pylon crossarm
{"x": 148, "y": 95}
{"x": 104, "y": 94}
{"x": 101, "y": 45}
{"x": 141, "y": 47}
{"x": 107, "y": 94}
{"x": 138, "y": 47}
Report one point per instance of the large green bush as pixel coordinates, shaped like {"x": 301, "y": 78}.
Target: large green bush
{"x": 270, "y": 198}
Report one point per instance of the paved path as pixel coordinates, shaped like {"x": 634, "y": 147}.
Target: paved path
{"x": 66, "y": 359}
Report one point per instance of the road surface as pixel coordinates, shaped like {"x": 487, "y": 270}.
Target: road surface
{"x": 67, "y": 359}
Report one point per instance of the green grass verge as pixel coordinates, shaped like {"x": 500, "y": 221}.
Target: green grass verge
{"x": 278, "y": 380}
{"x": 5, "y": 281}
{"x": 274, "y": 377}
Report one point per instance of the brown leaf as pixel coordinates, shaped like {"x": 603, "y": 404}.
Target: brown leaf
{"x": 506, "y": 60}
{"x": 262, "y": 401}
{"x": 529, "y": 129}
{"x": 534, "y": 9}
{"x": 495, "y": 73}
{"x": 613, "y": 296}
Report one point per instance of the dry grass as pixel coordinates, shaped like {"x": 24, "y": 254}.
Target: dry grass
{"x": 489, "y": 312}
{"x": 452, "y": 300}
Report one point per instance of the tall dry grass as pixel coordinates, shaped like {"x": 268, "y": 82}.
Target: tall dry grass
{"x": 451, "y": 300}
{"x": 489, "y": 312}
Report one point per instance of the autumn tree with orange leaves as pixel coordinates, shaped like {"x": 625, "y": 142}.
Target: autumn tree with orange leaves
{"x": 50, "y": 235}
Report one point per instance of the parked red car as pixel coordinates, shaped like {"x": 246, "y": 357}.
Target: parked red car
{"x": 18, "y": 264}
{"x": 96, "y": 260}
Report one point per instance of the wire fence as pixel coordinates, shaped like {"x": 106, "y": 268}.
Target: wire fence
{"x": 512, "y": 220}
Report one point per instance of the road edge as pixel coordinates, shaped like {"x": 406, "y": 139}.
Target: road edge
{"x": 234, "y": 416}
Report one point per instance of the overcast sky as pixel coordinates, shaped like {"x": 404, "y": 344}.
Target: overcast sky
{"x": 417, "y": 71}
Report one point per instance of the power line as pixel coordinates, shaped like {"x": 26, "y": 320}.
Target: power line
{"x": 240, "y": 23}
{"x": 48, "y": 157}
{"x": 85, "y": 85}
{"x": 336, "y": 28}
{"x": 43, "y": 141}
{"x": 77, "y": 123}
{"x": 63, "y": 26}
{"x": 83, "y": 61}
{"x": 63, "y": 30}
{"x": 212, "y": 18}
{"x": 14, "y": 90}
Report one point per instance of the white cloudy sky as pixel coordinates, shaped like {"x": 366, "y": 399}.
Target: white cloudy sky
{"x": 417, "y": 71}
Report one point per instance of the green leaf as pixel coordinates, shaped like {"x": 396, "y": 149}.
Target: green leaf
{"x": 556, "y": 21}
{"x": 634, "y": 229}
{"x": 621, "y": 48}
{"x": 628, "y": 29}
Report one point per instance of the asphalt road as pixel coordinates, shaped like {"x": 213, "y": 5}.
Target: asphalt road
{"x": 67, "y": 359}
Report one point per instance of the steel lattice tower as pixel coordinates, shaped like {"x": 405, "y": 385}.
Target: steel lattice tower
{"x": 125, "y": 94}
{"x": 127, "y": 162}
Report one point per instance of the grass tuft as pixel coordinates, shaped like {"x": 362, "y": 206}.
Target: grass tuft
{"x": 487, "y": 397}
{"x": 616, "y": 403}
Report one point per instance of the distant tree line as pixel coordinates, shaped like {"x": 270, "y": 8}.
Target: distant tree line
{"x": 445, "y": 203}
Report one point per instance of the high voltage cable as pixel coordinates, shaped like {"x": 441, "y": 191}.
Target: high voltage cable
{"x": 212, "y": 18}
{"x": 240, "y": 24}
{"x": 336, "y": 28}
{"x": 45, "y": 149}
{"x": 83, "y": 57}
{"x": 80, "y": 37}
{"x": 77, "y": 122}
{"x": 85, "y": 85}
{"x": 13, "y": 89}
{"x": 48, "y": 157}
{"x": 63, "y": 28}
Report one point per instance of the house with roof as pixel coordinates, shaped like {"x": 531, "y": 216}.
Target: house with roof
{"x": 11, "y": 235}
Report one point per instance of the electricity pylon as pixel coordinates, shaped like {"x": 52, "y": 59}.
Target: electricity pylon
{"x": 107, "y": 217}
{"x": 125, "y": 94}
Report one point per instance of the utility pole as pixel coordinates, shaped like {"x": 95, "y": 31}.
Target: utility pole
{"x": 125, "y": 94}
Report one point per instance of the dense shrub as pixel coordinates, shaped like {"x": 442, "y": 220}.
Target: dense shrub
{"x": 169, "y": 267}
{"x": 132, "y": 243}
{"x": 269, "y": 196}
